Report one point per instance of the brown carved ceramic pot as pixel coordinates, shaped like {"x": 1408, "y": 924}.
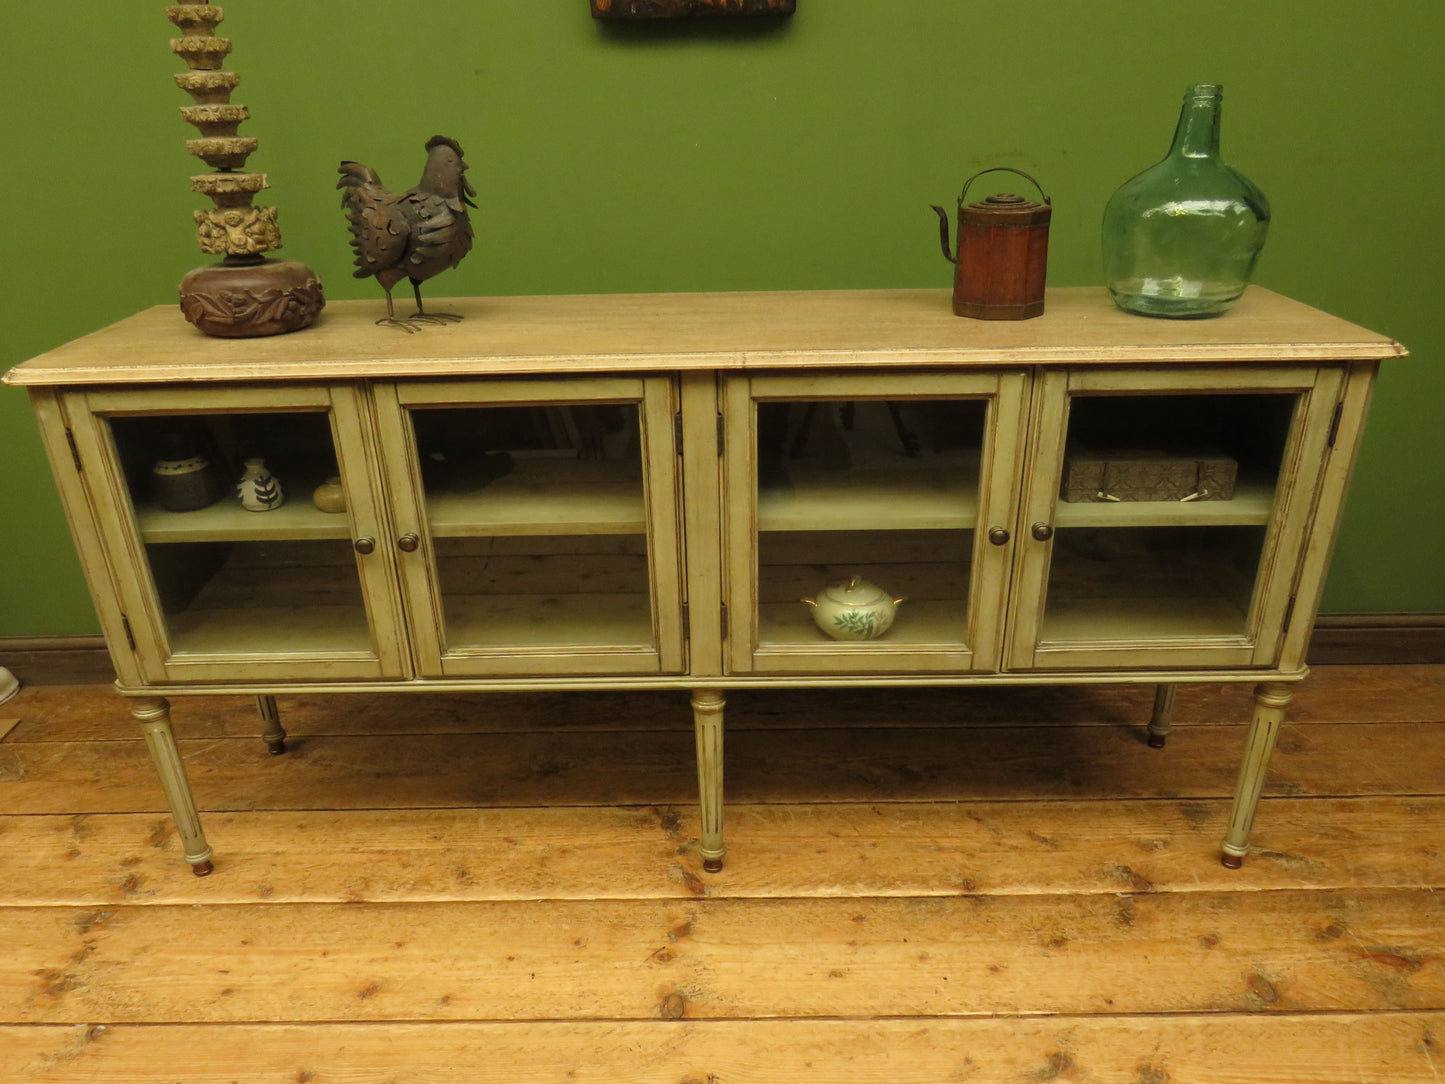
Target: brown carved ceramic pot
{"x": 237, "y": 300}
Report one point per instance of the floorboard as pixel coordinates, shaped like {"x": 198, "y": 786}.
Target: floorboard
{"x": 922, "y": 885}
{"x": 1377, "y": 1048}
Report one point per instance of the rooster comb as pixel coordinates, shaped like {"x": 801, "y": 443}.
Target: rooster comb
{"x": 443, "y": 141}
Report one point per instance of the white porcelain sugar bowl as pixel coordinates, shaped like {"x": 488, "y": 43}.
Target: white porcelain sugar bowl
{"x": 854, "y": 609}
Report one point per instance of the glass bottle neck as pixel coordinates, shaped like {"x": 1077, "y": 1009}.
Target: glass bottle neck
{"x": 1198, "y": 133}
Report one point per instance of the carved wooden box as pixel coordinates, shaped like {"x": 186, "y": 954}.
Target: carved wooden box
{"x": 1146, "y": 476}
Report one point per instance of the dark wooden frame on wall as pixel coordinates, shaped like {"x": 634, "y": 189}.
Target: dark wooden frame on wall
{"x": 671, "y": 9}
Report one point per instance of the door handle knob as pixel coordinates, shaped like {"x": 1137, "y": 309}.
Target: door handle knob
{"x": 364, "y": 545}
{"x": 1042, "y": 532}
{"x": 999, "y": 536}
{"x": 408, "y": 543}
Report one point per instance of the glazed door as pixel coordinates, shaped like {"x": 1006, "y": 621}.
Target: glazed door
{"x": 214, "y": 589}
{"x": 1167, "y": 513}
{"x": 897, "y": 485}
{"x": 537, "y": 524}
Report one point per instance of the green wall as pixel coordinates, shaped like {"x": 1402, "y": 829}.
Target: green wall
{"x": 719, "y": 156}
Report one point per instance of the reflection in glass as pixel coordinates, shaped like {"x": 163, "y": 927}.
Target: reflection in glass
{"x": 537, "y": 516}
{"x": 231, "y": 581}
{"x": 1168, "y": 545}
{"x": 1151, "y": 583}
{"x": 260, "y": 597}
{"x": 882, "y": 490}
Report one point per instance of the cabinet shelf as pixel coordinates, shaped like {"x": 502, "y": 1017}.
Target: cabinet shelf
{"x": 226, "y": 521}
{"x": 525, "y": 622}
{"x": 1252, "y": 505}
{"x": 1143, "y": 620}
{"x": 940, "y": 622}
{"x": 871, "y": 500}
{"x": 544, "y": 496}
{"x": 271, "y": 631}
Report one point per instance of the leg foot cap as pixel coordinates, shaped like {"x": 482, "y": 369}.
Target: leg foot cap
{"x": 1156, "y": 741}
{"x": 203, "y": 869}
{"x": 1231, "y": 861}
{"x": 712, "y": 865}
{"x": 275, "y": 748}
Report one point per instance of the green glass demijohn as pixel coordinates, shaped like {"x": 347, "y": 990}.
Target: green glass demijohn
{"x": 1181, "y": 239}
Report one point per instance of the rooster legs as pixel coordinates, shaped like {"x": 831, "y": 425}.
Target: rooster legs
{"x": 392, "y": 320}
{"x": 429, "y": 317}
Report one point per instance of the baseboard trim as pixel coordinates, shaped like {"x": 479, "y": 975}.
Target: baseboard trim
{"x": 1366, "y": 639}
{"x": 1339, "y": 639}
{"x": 57, "y": 660}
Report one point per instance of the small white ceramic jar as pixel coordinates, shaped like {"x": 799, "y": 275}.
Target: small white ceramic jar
{"x": 259, "y": 490}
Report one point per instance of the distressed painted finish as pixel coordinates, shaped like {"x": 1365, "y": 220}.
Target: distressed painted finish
{"x": 725, "y": 331}
{"x": 695, "y": 367}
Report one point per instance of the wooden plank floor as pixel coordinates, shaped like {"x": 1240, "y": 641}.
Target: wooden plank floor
{"x": 922, "y": 886}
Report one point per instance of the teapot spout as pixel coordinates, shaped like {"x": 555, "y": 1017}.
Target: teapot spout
{"x": 943, "y": 234}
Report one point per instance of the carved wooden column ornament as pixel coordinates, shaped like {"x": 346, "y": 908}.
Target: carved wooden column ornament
{"x": 246, "y": 294}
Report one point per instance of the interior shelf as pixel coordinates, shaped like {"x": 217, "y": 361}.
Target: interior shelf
{"x": 1252, "y": 505}
{"x": 544, "y": 496}
{"x": 556, "y": 621}
{"x": 871, "y": 500}
{"x": 226, "y": 521}
{"x": 271, "y": 630}
{"x": 1143, "y": 620}
{"x": 271, "y": 600}
{"x": 918, "y": 622}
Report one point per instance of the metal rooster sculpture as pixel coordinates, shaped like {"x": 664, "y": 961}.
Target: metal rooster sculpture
{"x": 413, "y": 234}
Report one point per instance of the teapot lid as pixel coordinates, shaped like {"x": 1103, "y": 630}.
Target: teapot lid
{"x": 1004, "y": 208}
{"x": 854, "y": 591}
{"x": 1006, "y": 203}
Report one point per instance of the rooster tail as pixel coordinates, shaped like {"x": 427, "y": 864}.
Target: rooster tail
{"x": 356, "y": 175}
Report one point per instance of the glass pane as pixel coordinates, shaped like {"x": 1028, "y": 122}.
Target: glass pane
{"x": 1151, "y": 583}
{"x": 1163, "y": 514}
{"x": 273, "y": 572}
{"x": 538, "y": 522}
{"x": 862, "y": 503}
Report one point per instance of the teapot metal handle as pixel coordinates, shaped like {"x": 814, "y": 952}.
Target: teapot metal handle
{"x": 1000, "y": 169}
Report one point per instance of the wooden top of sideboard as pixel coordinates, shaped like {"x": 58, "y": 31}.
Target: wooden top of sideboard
{"x": 732, "y": 331}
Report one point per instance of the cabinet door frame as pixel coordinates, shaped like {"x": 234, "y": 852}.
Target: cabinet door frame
{"x": 656, "y": 400}
{"x": 121, "y": 536}
{"x": 1005, "y": 394}
{"x": 1318, "y": 390}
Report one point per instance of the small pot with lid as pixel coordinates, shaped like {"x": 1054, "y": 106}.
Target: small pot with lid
{"x": 1003, "y": 252}
{"x": 854, "y": 609}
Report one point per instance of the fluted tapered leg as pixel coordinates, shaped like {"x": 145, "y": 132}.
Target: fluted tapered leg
{"x": 154, "y": 713}
{"x": 1270, "y": 700}
{"x": 1162, "y": 721}
{"x": 275, "y": 734}
{"x": 707, "y": 716}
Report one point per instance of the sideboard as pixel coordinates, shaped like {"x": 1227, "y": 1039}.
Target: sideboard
{"x": 640, "y": 491}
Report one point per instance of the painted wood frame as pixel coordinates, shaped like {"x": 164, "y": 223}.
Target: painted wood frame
{"x": 1289, "y": 511}
{"x": 132, "y": 583}
{"x": 1004, "y": 395}
{"x": 655, "y": 518}
{"x": 696, "y": 366}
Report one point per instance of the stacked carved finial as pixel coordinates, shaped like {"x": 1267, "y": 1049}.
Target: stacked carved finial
{"x": 246, "y": 294}
{"x": 234, "y": 227}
